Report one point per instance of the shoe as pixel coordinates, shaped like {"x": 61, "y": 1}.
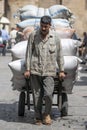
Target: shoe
{"x": 47, "y": 120}
{"x": 38, "y": 122}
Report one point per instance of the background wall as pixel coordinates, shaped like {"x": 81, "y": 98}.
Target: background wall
{"x": 78, "y": 7}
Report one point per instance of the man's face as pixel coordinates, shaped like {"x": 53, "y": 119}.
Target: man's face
{"x": 44, "y": 28}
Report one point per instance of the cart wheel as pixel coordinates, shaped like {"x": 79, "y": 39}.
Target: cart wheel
{"x": 21, "y": 105}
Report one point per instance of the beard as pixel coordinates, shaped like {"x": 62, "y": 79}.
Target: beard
{"x": 44, "y": 33}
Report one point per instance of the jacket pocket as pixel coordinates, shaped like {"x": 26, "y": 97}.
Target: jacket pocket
{"x": 52, "y": 48}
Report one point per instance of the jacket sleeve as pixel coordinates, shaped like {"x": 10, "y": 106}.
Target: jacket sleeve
{"x": 29, "y": 52}
{"x": 60, "y": 57}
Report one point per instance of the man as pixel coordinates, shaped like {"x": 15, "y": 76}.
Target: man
{"x": 43, "y": 51}
{"x": 19, "y": 35}
{"x": 83, "y": 48}
{"x": 5, "y": 37}
{"x": 84, "y": 45}
{"x": 13, "y": 36}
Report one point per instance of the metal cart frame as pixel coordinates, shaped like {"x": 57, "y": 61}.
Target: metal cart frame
{"x": 26, "y": 94}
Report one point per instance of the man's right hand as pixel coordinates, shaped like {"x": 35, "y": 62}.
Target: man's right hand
{"x": 27, "y": 74}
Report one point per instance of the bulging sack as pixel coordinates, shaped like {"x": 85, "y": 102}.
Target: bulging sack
{"x": 60, "y": 11}
{"x": 70, "y": 68}
{"x": 61, "y": 23}
{"x": 35, "y": 22}
{"x": 19, "y": 50}
{"x": 28, "y": 22}
{"x": 70, "y": 64}
{"x": 69, "y": 83}
{"x": 46, "y": 12}
{"x": 17, "y": 67}
{"x": 28, "y": 14}
{"x": 64, "y": 32}
{"x": 18, "y": 82}
{"x": 32, "y": 14}
{"x": 69, "y": 46}
{"x": 55, "y": 11}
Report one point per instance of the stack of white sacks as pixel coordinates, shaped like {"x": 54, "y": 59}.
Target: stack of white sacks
{"x": 30, "y": 17}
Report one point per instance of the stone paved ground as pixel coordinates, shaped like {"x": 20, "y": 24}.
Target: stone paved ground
{"x": 9, "y": 120}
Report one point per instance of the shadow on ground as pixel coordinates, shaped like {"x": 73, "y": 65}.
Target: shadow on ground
{"x": 9, "y": 113}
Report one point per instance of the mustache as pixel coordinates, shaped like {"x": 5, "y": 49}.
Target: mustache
{"x": 43, "y": 30}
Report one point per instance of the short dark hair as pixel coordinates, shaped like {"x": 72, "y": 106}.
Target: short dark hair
{"x": 46, "y": 19}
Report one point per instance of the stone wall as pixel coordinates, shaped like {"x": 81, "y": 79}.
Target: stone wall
{"x": 1, "y": 7}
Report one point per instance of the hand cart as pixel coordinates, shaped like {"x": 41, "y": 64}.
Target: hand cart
{"x": 24, "y": 98}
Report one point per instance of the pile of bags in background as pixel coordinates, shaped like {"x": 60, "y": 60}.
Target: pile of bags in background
{"x": 62, "y": 18}
{"x": 55, "y": 11}
{"x": 61, "y": 22}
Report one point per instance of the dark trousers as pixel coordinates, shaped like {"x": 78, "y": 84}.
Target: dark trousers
{"x": 4, "y": 48}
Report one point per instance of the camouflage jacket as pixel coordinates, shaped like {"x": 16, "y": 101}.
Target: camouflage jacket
{"x": 42, "y": 55}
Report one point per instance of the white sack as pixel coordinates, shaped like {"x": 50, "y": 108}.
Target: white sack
{"x": 55, "y": 11}
{"x": 69, "y": 81}
{"x": 19, "y": 50}
{"x": 18, "y": 82}
{"x": 61, "y": 31}
{"x": 59, "y": 11}
{"x": 40, "y": 12}
{"x": 17, "y": 67}
{"x": 29, "y": 22}
{"x": 60, "y": 23}
{"x": 32, "y": 14}
{"x": 64, "y": 32}
{"x": 69, "y": 46}
{"x": 70, "y": 64}
{"x": 17, "y": 85}
{"x": 36, "y": 22}
{"x": 46, "y": 12}
{"x": 70, "y": 68}
{"x": 28, "y": 14}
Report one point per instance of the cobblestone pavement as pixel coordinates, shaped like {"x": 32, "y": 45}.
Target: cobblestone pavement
{"x": 9, "y": 120}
